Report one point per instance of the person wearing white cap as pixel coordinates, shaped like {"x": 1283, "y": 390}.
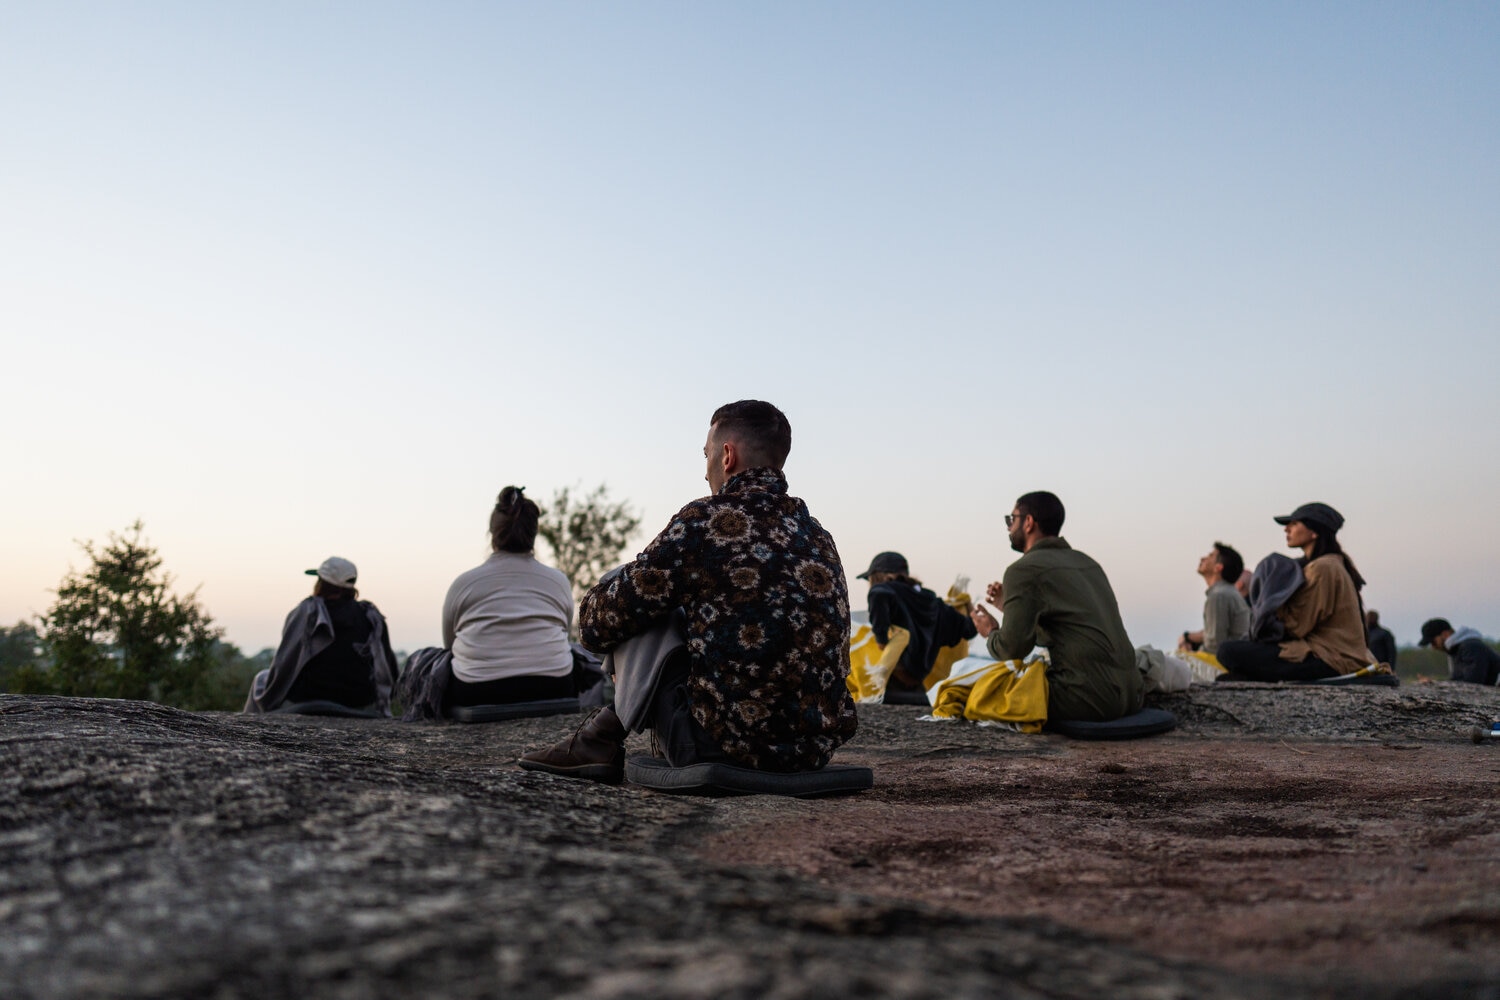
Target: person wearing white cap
{"x": 334, "y": 648}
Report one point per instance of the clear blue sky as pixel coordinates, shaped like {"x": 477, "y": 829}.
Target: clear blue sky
{"x": 287, "y": 280}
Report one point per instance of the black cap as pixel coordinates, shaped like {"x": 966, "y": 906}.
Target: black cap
{"x": 886, "y": 562}
{"x": 1432, "y": 628}
{"x": 1319, "y": 514}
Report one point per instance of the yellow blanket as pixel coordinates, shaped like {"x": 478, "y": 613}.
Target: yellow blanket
{"x": 1011, "y": 693}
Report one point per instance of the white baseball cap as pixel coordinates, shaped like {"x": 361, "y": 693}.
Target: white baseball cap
{"x": 337, "y": 571}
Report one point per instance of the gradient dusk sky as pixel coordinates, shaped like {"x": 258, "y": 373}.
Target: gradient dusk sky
{"x": 290, "y": 280}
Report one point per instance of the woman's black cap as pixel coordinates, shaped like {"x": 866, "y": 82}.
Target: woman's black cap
{"x": 1314, "y": 513}
{"x": 886, "y": 562}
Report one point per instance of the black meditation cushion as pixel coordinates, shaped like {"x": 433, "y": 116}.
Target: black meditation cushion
{"x": 325, "y": 708}
{"x": 1359, "y": 680}
{"x": 516, "y": 710}
{"x": 1146, "y": 722}
{"x": 727, "y": 779}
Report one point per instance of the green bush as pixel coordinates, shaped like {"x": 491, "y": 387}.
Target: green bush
{"x": 117, "y": 630}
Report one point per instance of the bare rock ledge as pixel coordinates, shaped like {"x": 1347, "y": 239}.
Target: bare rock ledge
{"x": 1282, "y": 842}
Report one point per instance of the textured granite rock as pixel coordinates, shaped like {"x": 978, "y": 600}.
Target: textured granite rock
{"x": 150, "y": 852}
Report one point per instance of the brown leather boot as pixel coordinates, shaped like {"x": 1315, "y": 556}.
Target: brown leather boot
{"x": 595, "y": 752}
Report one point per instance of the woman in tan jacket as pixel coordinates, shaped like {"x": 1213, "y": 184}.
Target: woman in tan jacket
{"x": 1324, "y": 618}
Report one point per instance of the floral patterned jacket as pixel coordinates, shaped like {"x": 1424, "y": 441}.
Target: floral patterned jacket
{"x": 767, "y": 620}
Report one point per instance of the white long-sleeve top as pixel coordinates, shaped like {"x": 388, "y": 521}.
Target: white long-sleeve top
{"x": 508, "y": 617}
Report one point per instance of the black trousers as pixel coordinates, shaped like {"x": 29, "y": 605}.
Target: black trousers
{"x": 508, "y": 690}
{"x": 1247, "y": 660}
{"x": 675, "y": 733}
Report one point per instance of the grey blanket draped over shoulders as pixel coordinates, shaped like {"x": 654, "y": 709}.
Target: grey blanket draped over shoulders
{"x": 1276, "y": 579}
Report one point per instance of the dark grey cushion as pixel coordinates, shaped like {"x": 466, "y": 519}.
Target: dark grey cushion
{"x": 1146, "y": 722}
{"x": 727, "y": 779}
{"x": 517, "y": 710}
{"x": 1359, "y": 680}
{"x": 325, "y": 708}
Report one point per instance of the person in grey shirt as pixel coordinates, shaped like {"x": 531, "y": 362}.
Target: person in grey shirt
{"x": 1226, "y": 615}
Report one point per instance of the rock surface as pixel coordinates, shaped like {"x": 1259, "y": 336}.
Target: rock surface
{"x": 1282, "y": 842}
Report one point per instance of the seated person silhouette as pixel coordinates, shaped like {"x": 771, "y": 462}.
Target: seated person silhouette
{"x": 507, "y": 619}
{"x": 758, "y": 678}
{"x": 334, "y": 650}
{"x": 905, "y": 614}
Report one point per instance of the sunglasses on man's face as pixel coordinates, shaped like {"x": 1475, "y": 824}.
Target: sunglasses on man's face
{"x": 1011, "y": 519}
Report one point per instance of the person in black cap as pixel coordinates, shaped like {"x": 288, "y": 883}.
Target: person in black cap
{"x": 897, "y": 599}
{"x": 1324, "y": 619}
{"x": 1470, "y": 658}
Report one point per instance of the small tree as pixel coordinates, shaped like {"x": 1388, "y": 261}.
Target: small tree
{"x": 20, "y": 653}
{"x": 117, "y": 631}
{"x": 586, "y": 534}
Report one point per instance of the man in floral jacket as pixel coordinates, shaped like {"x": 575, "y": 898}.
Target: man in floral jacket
{"x": 761, "y": 682}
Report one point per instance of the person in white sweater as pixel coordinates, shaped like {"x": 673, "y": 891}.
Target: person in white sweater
{"x": 507, "y": 619}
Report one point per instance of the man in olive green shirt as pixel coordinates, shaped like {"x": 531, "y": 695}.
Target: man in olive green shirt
{"x": 1057, "y": 597}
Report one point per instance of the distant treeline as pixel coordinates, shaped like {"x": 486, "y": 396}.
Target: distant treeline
{"x": 118, "y": 628}
{"x": 219, "y": 683}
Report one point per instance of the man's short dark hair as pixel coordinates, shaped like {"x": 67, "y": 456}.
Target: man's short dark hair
{"x": 1232, "y": 561}
{"x": 1045, "y": 509}
{"x": 760, "y": 429}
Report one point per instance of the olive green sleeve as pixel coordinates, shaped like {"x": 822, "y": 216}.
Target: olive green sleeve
{"x": 1016, "y": 635}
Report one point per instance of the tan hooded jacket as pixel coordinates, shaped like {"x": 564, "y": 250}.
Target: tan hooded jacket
{"x": 1324, "y": 619}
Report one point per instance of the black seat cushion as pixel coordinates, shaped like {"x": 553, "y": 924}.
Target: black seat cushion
{"x": 1146, "y": 722}
{"x": 727, "y": 779}
{"x": 1359, "y": 680}
{"x": 515, "y": 710}
{"x": 325, "y": 708}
